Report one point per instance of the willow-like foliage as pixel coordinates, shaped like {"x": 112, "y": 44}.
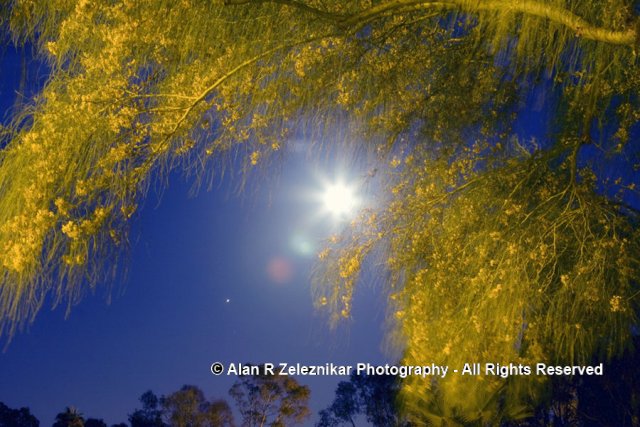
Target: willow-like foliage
{"x": 500, "y": 258}
{"x": 501, "y": 250}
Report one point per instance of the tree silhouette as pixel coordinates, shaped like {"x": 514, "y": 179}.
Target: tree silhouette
{"x": 189, "y": 408}
{"x": 372, "y": 396}
{"x": 218, "y": 413}
{"x": 94, "y": 422}
{"x": 511, "y": 249}
{"x": 71, "y": 417}
{"x": 186, "y": 407}
{"x": 17, "y": 417}
{"x": 345, "y": 407}
{"x": 151, "y": 413}
{"x": 270, "y": 400}
{"x": 611, "y": 399}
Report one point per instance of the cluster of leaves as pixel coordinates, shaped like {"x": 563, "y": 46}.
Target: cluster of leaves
{"x": 71, "y": 417}
{"x": 17, "y": 417}
{"x": 126, "y": 98}
{"x": 507, "y": 258}
{"x": 185, "y": 407}
{"x": 274, "y": 400}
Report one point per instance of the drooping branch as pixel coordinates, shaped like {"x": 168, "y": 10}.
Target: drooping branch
{"x": 555, "y": 14}
{"x": 198, "y": 99}
{"x": 293, "y": 3}
{"x": 559, "y": 15}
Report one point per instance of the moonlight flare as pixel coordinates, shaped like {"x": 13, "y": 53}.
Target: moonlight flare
{"x": 339, "y": 200}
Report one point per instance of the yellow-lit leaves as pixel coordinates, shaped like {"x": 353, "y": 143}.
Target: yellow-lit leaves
{"x": 504, "y": 258}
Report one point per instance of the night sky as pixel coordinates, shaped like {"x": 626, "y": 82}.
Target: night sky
{"x": 211, "y": 277}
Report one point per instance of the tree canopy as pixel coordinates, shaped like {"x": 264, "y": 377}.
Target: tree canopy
{"x": 150, "y": 415}
{"x": 267, "y": 399}
{"x": 495, "y": 245}
{"x": 373, "y": 396}
{"x": 71, "y": 417}
{"x": 17, "y": 417}
{"x": 188, "y": 407}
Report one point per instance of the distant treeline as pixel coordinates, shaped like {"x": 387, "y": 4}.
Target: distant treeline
{"x": 278, "y": 401}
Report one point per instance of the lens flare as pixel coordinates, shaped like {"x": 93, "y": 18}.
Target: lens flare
{"x": 339, "y": 200}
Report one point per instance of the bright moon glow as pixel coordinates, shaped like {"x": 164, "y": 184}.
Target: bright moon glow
{"x": 339, "y": 200}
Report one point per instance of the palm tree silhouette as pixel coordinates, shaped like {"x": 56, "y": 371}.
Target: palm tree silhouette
{"x": 71, "y": 417}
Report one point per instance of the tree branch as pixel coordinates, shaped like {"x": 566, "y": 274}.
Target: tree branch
{"x": 198, "y": 99}
{"x": 558, "y": 15}
{"x": 202, "y": 97}
{"x": 537, "y": 8}
{"x": 292, "y": 3}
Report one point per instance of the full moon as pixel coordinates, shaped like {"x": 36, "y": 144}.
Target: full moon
{"x": 339, "y": 200}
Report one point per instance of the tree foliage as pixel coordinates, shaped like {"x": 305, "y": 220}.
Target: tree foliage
{"x": 514, "y": 263}
{"x": 373, "y": 396}
{"x": 71, "y": 417}
{"x": 150, "y": 415}
{"x": 270, "y": 400}
{"x": 95, "y": 422}
{"x": 188, "y": 407}
{"x": 512, "y": 250}
{"x": 17, "y": 417}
